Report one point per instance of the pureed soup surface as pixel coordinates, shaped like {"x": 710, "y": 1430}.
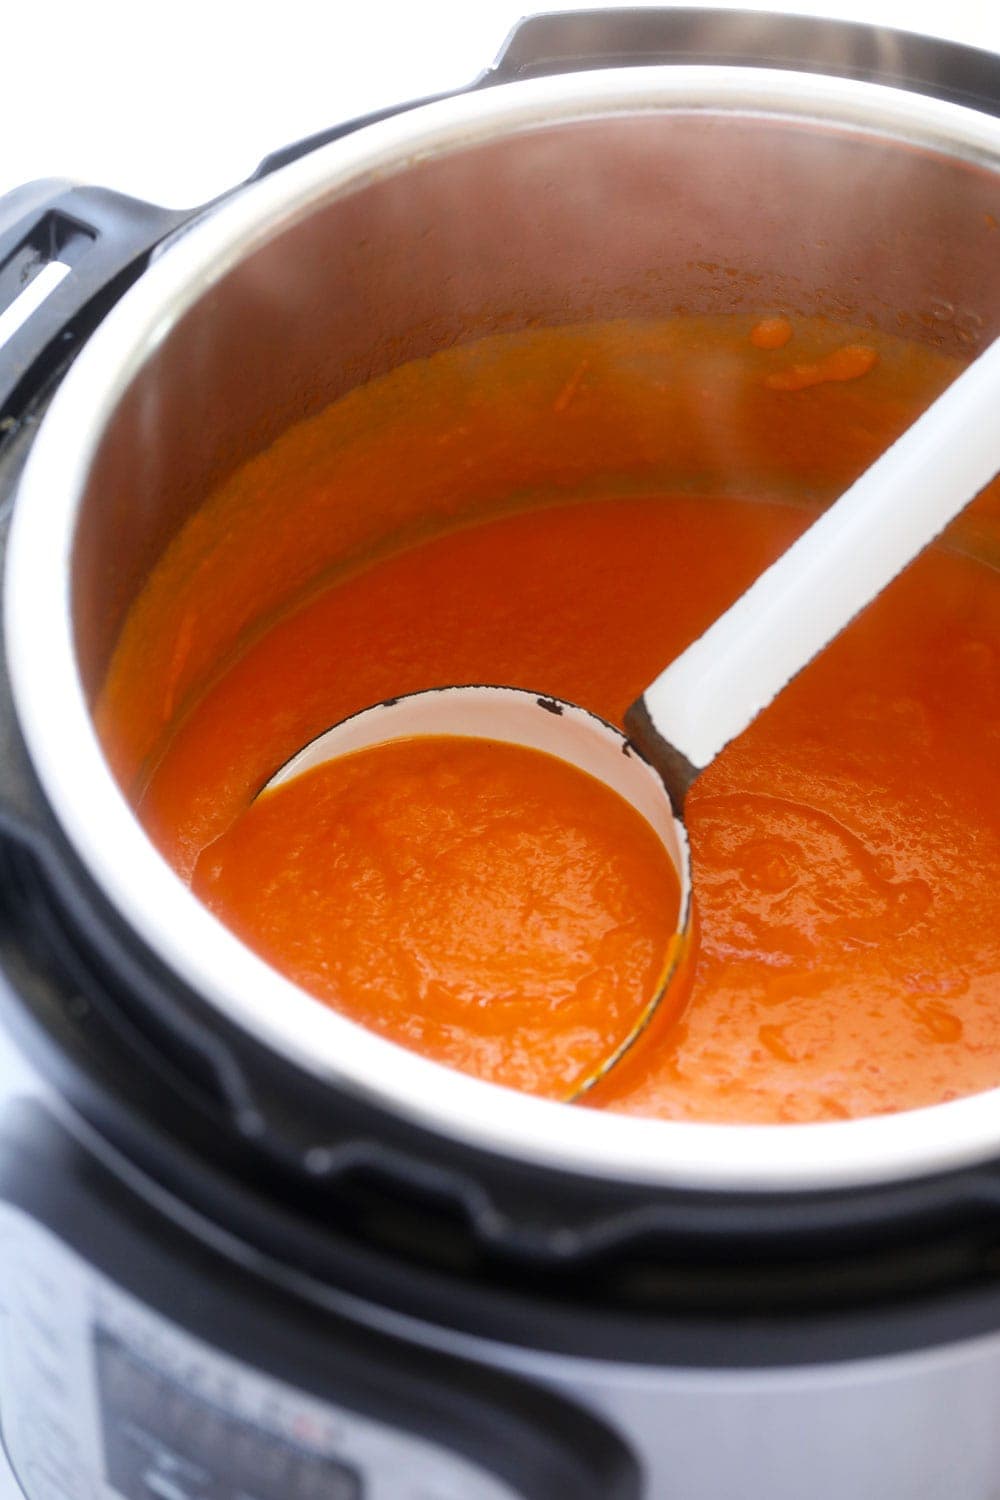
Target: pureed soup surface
{"x": 846, "y": 849}
{"x": 486, "y": 904}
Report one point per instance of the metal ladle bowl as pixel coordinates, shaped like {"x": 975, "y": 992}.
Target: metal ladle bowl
{"x": 716, "y": 688}
{"x": 555, "y": 727}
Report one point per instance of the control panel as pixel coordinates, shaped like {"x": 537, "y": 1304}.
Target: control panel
{"x": 101, "y": 1398}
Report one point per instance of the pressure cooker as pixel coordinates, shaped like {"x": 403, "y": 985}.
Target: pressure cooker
{"x": 247, "y": 1250}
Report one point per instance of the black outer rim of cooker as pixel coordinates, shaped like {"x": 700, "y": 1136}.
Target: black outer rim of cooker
{"x": 362, "y": 1202}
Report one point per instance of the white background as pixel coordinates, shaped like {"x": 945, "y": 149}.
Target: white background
{"x": 177, "y": 102}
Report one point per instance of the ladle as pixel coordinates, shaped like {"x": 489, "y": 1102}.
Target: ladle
{"x": 716, "y": 688}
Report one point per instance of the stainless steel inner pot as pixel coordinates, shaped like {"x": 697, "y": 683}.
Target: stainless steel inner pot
{"x": 593, "y": 196}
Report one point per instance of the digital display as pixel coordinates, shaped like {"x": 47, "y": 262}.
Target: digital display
{"x": 162, "y": 1442}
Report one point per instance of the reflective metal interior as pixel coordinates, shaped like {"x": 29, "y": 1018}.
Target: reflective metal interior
{"x": 639, "y": 216}
{"x": 646, "y": 193}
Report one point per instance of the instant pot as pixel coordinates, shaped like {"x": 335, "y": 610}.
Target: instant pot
{"x": 247, "y": 1250}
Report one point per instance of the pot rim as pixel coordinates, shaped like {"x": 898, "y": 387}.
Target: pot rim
{"x": 158, "y": 906}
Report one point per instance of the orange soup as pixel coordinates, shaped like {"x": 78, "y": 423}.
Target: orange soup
{"x": 566, "y": 510}
{"x": 488, "y": 905}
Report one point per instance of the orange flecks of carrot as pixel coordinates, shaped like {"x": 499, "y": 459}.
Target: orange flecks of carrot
{"x": 571, "y": 387}
{"x": 181, "y": 652}
{"x": 771, "y": 333}
{"x": 848, "y": 363}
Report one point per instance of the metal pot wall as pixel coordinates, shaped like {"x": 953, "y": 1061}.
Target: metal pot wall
{"x": 597, "y": 195}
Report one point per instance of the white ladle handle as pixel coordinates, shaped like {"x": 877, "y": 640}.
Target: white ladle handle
{"x": 718, "y": 686}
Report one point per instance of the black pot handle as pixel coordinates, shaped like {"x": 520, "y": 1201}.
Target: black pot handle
{"x": 106, "y": 239}
{"x": 66, "y": 254}
{"x": 575, "y": 41}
